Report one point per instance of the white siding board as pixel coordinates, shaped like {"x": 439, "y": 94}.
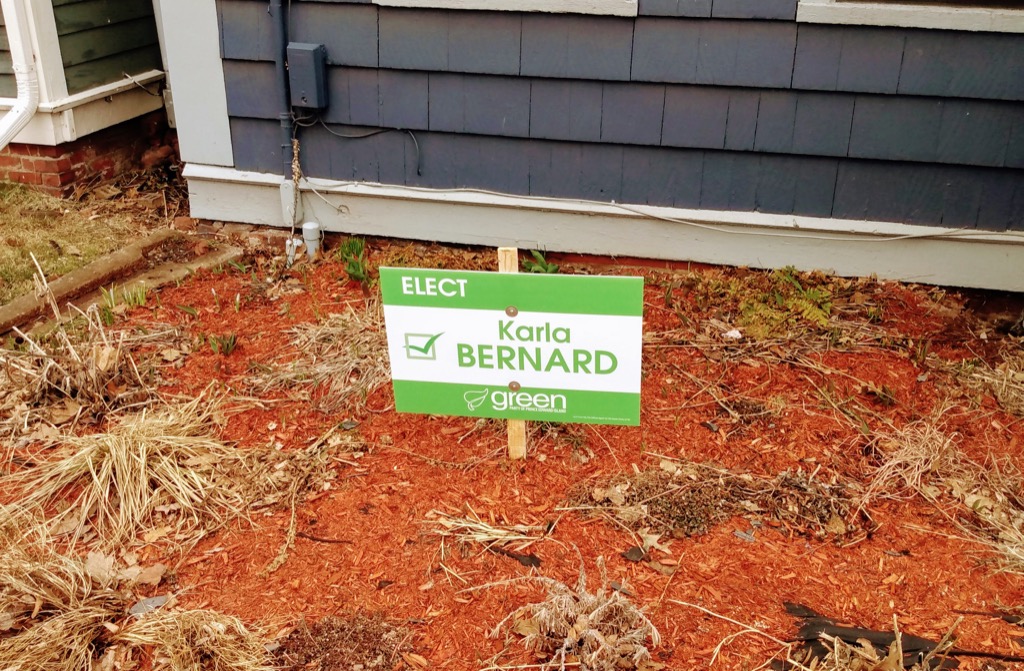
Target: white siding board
{"x": 192, "y": 46}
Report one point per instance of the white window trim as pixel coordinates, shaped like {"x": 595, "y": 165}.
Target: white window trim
{"x": 605, "y": 7}
{"x": 911, "y": 16}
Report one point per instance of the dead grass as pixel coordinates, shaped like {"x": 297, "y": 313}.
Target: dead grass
{"x": 51, "y": 609}
{"x": 921, "y": 458}
{"x": 344, "y": 359}
{"x": 63, "y": 235}
{"x": 36, "y": 580}
{"x": 152, "y": 468}
{"x": 65, "y": 642}
{"x": 81, "y": 371}
{"x": 471, "y": 530}
{"x": 1005, "y": 380}
{"x": 196, "y": 640}
{"x": 574, "y": 628}
{"x": 164, "y": 469}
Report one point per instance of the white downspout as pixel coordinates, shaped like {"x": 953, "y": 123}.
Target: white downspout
{"x": 16, "y": 18}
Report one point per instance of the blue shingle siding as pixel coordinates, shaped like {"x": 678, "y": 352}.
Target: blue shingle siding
{"x": 718, "y": 104}
{"x": 349, "y": 33}
{"x": 846, "y": 58}
{"x": 590, "y": 47}
{"x": 754, "y": 9}
{"x": 688, "y": 8}
{"x": 562, "y": 110}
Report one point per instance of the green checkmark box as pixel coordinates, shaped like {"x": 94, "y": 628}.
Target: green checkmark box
{"x": 421, "y": 345}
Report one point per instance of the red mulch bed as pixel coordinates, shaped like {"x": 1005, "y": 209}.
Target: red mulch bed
{"x": 911, "y": 565}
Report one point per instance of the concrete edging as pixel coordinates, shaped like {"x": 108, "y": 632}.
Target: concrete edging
{"x": 83, "y": 280}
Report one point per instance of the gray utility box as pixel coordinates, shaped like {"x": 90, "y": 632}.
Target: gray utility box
{"x": 307, "y": 75}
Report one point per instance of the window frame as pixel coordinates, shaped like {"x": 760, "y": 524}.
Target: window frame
{"x": 940, "y": 17}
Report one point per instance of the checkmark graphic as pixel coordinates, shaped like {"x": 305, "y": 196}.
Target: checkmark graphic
{"x": 421, "y": 345}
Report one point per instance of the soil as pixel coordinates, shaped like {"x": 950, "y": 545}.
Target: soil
{"x": 803, "y": 400}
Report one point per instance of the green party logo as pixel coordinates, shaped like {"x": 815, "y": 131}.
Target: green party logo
{"x": 474, "y": 399}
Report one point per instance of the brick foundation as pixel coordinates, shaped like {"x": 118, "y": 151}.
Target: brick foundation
{"x": 93, "y": 159}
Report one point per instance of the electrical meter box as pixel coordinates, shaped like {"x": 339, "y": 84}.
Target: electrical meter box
{"x": 307, "y": 75}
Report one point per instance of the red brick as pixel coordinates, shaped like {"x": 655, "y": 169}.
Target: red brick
{"x": 24, "y": 177}
{"x": 50, "y": 152}
{"x": 62, "y": 164}
{"x": 10, "y": 161}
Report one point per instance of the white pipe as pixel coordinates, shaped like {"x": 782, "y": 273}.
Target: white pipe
{"x": 23, "y": 61}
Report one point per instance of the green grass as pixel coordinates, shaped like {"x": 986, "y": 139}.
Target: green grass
{"x": 63, "y": 235}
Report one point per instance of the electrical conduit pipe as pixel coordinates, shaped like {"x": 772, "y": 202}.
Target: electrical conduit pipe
{"x": 23, "y": 61}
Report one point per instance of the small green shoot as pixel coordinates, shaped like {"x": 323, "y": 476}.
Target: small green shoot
{"x": 188, "y": 309}
{"x": 353, "y": 253}
{"x": 107, "y": 305}
{"x": 223, "y": 345}
{"x": 238, "y": 302}
{"x": 136, "y": 297}
{"x": 240, "y": 267}
{"x": 539, "y": 264}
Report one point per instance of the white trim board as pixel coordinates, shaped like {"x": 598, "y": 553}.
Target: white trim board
{"x": 606, "y": 7}
{"x": 72, "y": 117}
{"x": 911, "y": 16}
{"x": 942, "y": 256}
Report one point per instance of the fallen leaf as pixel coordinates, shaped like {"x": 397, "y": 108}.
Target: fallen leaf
{"x": 151, "y": 575}
{"x": 418, "y": 661}
{"x": 153, "y": 535}
{"x": 171, "y": 354}
{"x": 65, "y": 526}
{"x": 527, "y": 627}
{"x": 104, "y": 357}
{"x": 660, "y": 568}
{"x": 65, "y": 412}
{"x": 100, "y": 567}
{"x": 654, "y": 541}
{"x": 836, "y": 526}
{"x": 146, "y": 605}
{"x": 634, "y": 554}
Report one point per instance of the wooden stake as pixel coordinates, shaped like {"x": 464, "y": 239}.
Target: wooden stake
{"x": 508, "y": 262}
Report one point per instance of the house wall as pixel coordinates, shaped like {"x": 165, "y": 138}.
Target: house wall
{"x": 728, "y": 105}
{"x": 99, "y": 41}
{"x": 8, "y": 87}
{"x": 102, "y": 40}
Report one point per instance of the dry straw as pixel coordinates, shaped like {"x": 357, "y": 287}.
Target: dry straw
{"x": 54, "y": 608}
{"x": 1005, "y": 380}
{"x": 922, "y": 458}
{"x": 472, "y": 530}
{"x": 196, "y": 640}
{"x": 345, "y": 354}
{"x": 164, "y": 466}
{"x": 80, "y": 371}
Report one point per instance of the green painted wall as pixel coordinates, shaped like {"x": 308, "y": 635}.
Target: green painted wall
{"x": 102, "y": 40}
{"x": 8, "y": 87}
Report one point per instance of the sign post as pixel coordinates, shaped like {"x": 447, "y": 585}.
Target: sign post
{"x": 508, "y": 262}
{"x": 514, "y": 346}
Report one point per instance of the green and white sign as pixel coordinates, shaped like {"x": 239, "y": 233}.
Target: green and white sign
{"x": 550, "y": 348}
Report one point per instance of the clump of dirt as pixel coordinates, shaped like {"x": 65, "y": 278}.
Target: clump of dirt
{"x": 357, "y": 642}
{"x": 688, "y": 499}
